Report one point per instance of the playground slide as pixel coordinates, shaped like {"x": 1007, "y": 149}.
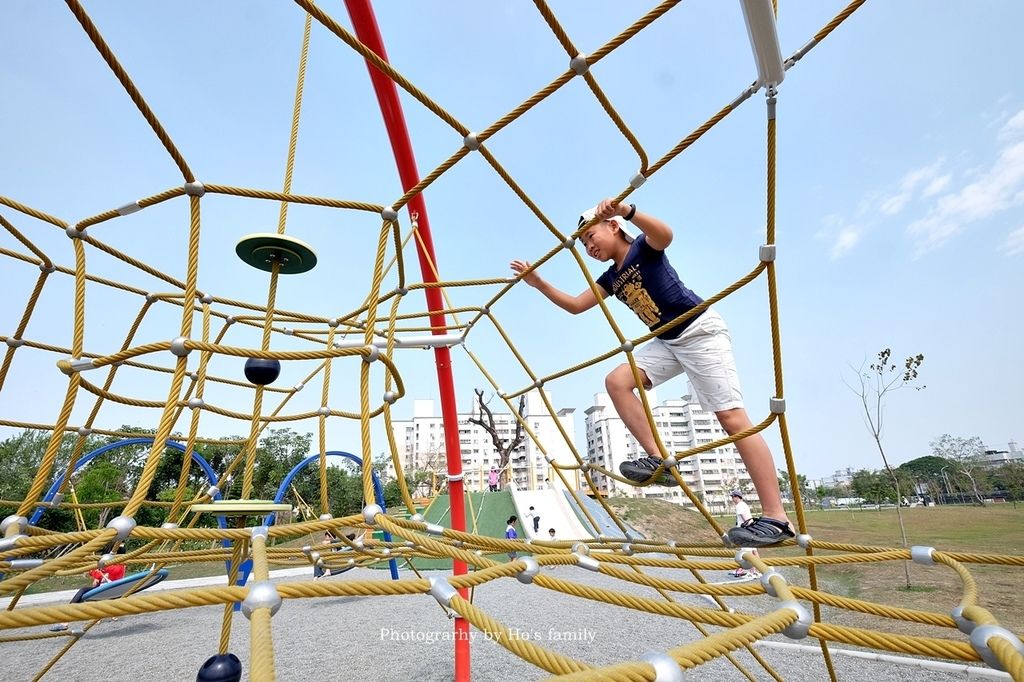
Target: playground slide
{"x": 119, "y": 588}
{"x": 605, "y": 524}
{"x": 554, "y": 511}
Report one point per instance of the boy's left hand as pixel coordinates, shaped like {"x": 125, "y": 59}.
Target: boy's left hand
{"x": 607, "y": 208}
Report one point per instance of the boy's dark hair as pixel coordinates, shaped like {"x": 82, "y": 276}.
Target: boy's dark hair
{"x": 531, "y": 508}
{"x": 551, "y": 530}
{"x": 512, "y": 519}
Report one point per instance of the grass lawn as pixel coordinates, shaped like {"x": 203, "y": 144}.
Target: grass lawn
{"x": 994, "y": 529}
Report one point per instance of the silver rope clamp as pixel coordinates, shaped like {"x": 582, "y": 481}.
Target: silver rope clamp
{"x": 195, "y": 189}
{"x": 802, "y": 626}
{"x": 666, "y": 669}
{"x": 579, "y": 64}
{"x": 128, "y": 209}
{"x": 527, "y": 575}
{"x": 442, "y": 591}
{"x": 588, "y": 562}
{"x": 983, "y": 633}
{"x": 262, "y": 595}
{"x": 922, "y": 555}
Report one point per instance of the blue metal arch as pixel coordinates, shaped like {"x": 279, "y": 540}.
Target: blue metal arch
{"x": 211, "y": 476}
{"x": 196, "y": 457}
{"x": 378, "y": 491}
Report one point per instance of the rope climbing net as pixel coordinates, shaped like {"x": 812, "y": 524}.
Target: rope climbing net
{"x": 373, "y": 334}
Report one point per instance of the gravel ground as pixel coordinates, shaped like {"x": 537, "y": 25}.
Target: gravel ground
{"x": 386, "y": 638}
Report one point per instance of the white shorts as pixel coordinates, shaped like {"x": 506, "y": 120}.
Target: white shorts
{"x": 704, "y": 352}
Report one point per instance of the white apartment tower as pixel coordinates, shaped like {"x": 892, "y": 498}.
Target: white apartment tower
{"x": 421, "y": 445}
{"x": 682, "y": 425}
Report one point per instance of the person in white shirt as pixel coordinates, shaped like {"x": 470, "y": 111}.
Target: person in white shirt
{"x": 743, "y": 517}
{"x": 532, "y": 515}
{"x": 742, "y": 509}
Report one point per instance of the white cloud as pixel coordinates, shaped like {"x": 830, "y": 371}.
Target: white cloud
{"x": 1014, "y": 243}
{"x": 894, "y": 204}
{"x": 842, "y": 236}
{"x": 952, "y": 200}
{"x": 936, "y": 185}
{"x": 926, "y": 175}
{"x": 991, "y": 191}
{"x": 1014, "y": 127}
{"x": 845, "y": 240}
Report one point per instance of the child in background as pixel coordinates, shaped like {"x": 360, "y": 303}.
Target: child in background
{"x": 318, "y": 570}
{"x": 100, "y": 576}
{"x": 532, "y": 514}
{"x": 551, "y": 537}
{"x": 743, "y": 517}
{"x": 510, "y": 534}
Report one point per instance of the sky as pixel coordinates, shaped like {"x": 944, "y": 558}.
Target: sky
{"x": 899, "y": 201}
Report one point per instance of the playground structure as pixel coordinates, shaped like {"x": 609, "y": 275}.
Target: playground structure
{"x": 555, "y": 512}
{"x": 374, "y": 336}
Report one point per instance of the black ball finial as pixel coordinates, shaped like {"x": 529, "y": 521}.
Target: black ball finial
{"x": 220, "y": 668}
{"x": 261, "y": 371}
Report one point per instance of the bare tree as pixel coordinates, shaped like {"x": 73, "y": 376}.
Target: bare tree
{"x": 503, "y": 447}
{"x": 430, "y": 470}
{"x": 965, "y": 454}
{"x": 873, "y": 385}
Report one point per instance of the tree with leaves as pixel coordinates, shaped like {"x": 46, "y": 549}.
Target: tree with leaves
{"x": 873, "y": 386}
{"x": 875, "y": 487}
{"x": 966, "y": 455}
{"x": 504, "y": 447}
{"x": 925, "y": 473}
{"x": 1010, "y": 477}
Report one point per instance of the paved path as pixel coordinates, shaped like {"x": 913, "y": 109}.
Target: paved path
{"x": 408, "y": 638}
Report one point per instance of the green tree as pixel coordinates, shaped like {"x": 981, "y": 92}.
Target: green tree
{"x": 421, "y": 479}
{"x": 276, "y": 454}
{"x": 1010, "y": 477}
{"x": 925, "y": 473}
{"x": 875, "y": 487}
{"x": 20, "y": 458}
{"x": 100, "y": 481}
{"x": 784, "y": 487}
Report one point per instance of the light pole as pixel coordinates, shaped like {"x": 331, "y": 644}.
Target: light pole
{"x": 946, "y": 481}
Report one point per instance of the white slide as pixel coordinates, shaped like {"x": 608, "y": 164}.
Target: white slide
{"x": 554, "y": 512}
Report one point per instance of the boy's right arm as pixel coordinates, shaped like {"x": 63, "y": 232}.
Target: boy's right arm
{"x": 572, "y": 304}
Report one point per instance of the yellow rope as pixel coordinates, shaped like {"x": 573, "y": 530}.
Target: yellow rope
{"x": 187, "y": 386}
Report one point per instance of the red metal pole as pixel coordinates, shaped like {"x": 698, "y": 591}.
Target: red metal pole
{"x": 365, "y": 24}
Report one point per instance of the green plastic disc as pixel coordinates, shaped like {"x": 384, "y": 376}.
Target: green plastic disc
{"x": 260, "y": 250}
{"x": 240, "y": 507}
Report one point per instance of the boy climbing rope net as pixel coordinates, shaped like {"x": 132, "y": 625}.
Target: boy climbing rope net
{"x": 642, "y": 277}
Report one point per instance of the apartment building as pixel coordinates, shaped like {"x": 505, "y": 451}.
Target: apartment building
{"x": 995, "y": 458}
{"x": 682, "y": 425}
{"x": 421, "y": 443}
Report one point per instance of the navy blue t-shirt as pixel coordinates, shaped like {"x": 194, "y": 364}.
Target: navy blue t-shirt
{"x": 650, "y": 286}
